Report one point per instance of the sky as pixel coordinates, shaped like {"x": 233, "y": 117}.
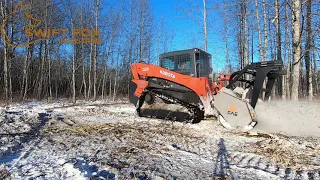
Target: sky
{"x": 187, "y": 33}
{"x": 188, "y": 30}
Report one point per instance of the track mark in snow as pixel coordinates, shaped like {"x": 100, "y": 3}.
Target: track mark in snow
{"x": 17, "y": 152}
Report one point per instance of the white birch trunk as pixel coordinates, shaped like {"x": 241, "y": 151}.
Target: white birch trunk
{"x": 296, "y": 48}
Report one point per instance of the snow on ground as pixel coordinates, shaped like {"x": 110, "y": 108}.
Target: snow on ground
{"x": 106, "y": 140}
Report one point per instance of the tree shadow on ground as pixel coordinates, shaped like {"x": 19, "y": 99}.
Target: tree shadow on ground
{"x": 16, "y": 151}
{"x": 222, "y": 170}
{"x": 91, "y": 171}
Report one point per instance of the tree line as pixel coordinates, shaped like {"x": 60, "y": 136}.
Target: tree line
{"x": 48, "y": 69}
{"x": 285, "y": 30}
{"x": 129, "y": 32}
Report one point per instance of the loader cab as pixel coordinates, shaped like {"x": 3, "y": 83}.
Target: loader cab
{"x": 193, "y": 62}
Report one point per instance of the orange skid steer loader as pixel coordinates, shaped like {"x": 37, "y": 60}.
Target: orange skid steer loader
{"x": 185, "y": 79}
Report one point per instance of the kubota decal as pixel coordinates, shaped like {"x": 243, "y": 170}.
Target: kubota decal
{"x": 167, "y": 74}
{"x": 233, "y": 110}
{"x": 145, "y": 69}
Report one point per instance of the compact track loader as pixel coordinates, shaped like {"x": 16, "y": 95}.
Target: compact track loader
{"x": 185, "y": 79}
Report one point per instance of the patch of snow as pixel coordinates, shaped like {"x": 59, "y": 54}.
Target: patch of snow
{"x": 73, "y": 173}
{"x": 61, "y": 162}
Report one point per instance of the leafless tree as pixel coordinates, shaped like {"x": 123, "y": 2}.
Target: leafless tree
{"x": 226, "y": 37}
{"x": 259, "y": 31}
{"x": 5, "y": 55}
{"x": 308, "y": 49}
{"x": 265, "y": 30}
{"x": 296, "y": 48}
{"x": 95, "y": 53}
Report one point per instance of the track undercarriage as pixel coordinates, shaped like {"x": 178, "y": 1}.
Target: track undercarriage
{"x": 159, "y": 105}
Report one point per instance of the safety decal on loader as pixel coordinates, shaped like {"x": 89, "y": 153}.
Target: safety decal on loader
{"x": 233, "y": 110}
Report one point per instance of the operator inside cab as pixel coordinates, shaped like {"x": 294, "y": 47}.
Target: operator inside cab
{"x": 183, "y": 66}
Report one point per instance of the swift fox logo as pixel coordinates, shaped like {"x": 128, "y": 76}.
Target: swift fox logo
{"x": 32, "y": 32}
{"x": 233, "y": 110}
{"x": 24, "y": 42}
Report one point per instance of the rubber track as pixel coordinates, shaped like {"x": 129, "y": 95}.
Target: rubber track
{"x": 191, "y": 108}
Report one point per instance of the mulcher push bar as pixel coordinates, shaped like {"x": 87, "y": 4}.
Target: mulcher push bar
{"x": 259, "y": 71}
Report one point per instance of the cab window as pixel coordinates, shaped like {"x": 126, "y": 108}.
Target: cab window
{"x": 183, "y": 62}
{"x": 168, "y": 62}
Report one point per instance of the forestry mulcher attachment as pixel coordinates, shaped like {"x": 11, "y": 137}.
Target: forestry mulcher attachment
{"x": 184, "y": 79}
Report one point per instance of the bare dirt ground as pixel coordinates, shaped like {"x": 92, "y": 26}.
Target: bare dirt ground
{"x": 106, "y": 140}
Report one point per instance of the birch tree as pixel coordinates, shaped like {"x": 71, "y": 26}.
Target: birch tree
{"x": 308, "y": 49}
{"x": 5, "y": 54}
{"x": 259, "y": 31}
{"x": 83, "y": 58}
{"x": 265, "y": 30}
{"x": 226, "y": 38}
{"x": 288, "y": 53}
{"x": 95, "y": 53}
{"x": 111, "y": 35}
{"x": 43, "y": 58}
{"x": 243, "y": 35}
{"x": 198, "y": 13}
{"x": 205, "y": 33}
{"x": 296, "y": 48}
{"x": 279, "y": 45}
{"x": 244, "y": 6}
